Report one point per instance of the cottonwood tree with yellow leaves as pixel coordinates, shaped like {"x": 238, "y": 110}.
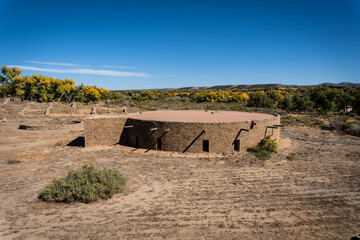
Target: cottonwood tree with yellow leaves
{"x": 7, "y": 76}
{"x": 65, "y": 89}
{"x": 91, "y": 94}
{"x": 47, "y": 89}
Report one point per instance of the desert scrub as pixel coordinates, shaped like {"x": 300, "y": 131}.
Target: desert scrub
{"x": 265, "y": 148}
{"x": 354, "y": 129}
{"x": 335, "y": 124}
{"x": 342, "y": 124}
{"x": 302, "y": 120}
{"x": 260, "y": 153}
{"x": 86, "y": 185}
{"x": 268, "y": 144}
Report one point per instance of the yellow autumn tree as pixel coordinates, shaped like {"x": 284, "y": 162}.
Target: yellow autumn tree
{"x": 8, "y": 74}
{"x": 65, "y": 88}
{"x": 238, "y": 97}
{"x": 104, "y": 94}
{"x": 6, "y": 78}
{"x": 91, "y": 94}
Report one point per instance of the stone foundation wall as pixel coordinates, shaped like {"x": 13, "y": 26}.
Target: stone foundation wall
{"x": 178, "y": 136}
{"x": 104, "y": 131}
{"x": 60, "y": 108}
{"x": 189, "y": 137}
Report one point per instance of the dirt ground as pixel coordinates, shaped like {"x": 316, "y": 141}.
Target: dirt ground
{"x": 310, "y": 190}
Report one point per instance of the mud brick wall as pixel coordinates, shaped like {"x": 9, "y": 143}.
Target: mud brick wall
{"x": 104, "y": 131}
{"x": 178, "y": 136}
{"x": 188, "y": 137}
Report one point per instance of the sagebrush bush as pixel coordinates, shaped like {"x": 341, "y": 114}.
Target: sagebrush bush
{"x": 86, "y": 185}
{"x": 341, "y": 124}
{"x": 334, "y": 124}
{"x": 354, "y": 129}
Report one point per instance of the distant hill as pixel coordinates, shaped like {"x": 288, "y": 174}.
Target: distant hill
{"x": 232, "y": 87}
{"x": 342, "y": 84}
{"x": 254, "y": 87}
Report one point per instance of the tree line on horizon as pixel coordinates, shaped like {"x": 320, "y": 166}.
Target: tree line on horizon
{"x": 39, "y": 88}
{"x": 319, "y": 99}
{"x": 47, "y": 89}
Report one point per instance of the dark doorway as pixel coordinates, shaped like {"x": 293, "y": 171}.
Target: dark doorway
{"x": 205, "y": 145}
{"x": 159, "y": 144}
{"x": 137, "y": 142}
{"x": 237, "y": 145}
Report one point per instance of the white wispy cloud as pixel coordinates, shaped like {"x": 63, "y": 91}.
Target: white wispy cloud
{"x": 84, "y": 71}
{"x": 107, "y": 66}
{"x": 170, "y": 76}
{"x": 55, "y": 63}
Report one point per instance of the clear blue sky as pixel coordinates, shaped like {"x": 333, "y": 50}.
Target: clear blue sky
{"x": 161, "y": 44}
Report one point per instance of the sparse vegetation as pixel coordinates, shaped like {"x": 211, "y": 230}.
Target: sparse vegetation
{"x": 290, "y": 157}
{"x": 260, "y": 153}
{"x": 343, "y": 124}
{"x": 302, "y": 120}
{"x": 354, "y": 129}
{"x": 14, "y": 161}
{"x": 86, "y": 185}
{"x": 265, "y": 148}
{"x": 335, "y": 124}
{"x": 268, "y": 144}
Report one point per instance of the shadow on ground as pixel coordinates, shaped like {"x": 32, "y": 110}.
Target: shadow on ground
{"x": 77, "y": 142}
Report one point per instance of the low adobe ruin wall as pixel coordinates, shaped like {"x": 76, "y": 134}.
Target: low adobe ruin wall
{"x": 103, "y": 131}
{"x": 188, "y": 137}
{"x": 178, "y": 136}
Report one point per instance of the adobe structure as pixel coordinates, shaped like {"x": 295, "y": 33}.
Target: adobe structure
{"x": 183, "y": 131}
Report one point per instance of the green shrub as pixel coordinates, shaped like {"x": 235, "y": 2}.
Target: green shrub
{"x": 268, "y": 144}
{"x": 86, "y": 185}
{"x": 260, "y": 153}
{"x": 265, "y": 148}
